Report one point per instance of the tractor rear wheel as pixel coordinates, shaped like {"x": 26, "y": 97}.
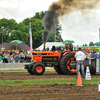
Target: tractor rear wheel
{"x": 68, "y": 64}
{"x": 58, "y": 69}
{"x": 38, "y": 68}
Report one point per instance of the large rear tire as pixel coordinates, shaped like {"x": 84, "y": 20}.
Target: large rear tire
{"x": 68, "y": 64}
{"x": 58, "y": 69}
{"x": 38, "y": 68}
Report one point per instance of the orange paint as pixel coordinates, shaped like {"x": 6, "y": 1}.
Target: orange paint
{"x": 68, "y": 66}
{"x": 39, "y": 69}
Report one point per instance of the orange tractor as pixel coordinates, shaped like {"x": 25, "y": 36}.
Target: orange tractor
{"x": 63, "y": 63}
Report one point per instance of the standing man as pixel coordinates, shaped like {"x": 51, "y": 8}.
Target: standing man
{"x": 80, "y": 57}
{"x": 3, "y": 49}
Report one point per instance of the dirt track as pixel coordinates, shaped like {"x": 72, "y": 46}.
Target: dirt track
{"x": 47, "y": 92}
{"x": 26, "y": 75}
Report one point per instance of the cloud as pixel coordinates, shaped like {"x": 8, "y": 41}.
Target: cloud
{"x": 81, "y": 27}
{"x": 77, "y": 26}
{"x": 21, "y": 9}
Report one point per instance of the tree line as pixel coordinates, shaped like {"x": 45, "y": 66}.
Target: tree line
{"x": 11, "y": 30}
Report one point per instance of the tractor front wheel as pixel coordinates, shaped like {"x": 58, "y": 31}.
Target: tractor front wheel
{"x": 38, "y": 68}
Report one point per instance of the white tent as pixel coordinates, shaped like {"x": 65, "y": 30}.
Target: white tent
{"x": 49, "y": 44}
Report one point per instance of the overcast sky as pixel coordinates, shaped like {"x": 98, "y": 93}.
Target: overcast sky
{"x": 80, "y": 27}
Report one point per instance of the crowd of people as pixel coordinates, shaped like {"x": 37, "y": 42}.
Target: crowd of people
{"x": 21, "y": 56}
{"x": 15, "y": 56}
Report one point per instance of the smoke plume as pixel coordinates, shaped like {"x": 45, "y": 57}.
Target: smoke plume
{"x": 62, "y": 7}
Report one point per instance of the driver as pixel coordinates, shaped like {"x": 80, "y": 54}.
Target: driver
{"x": 67, "y": 48}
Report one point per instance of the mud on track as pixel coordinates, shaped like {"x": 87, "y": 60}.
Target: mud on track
{"x": 25, "y": 75}
{"x": 46, "y": 92}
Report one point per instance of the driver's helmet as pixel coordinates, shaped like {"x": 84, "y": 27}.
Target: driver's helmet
{"x": 66, "y": 46}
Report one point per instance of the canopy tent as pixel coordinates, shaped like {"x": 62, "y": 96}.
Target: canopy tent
{"x": 97, "y": 43}
{"x": 16, "y": 42}
{"x": 68, "y": 41}
{"x": 10, "y": 46}
{"x": 90, "y": 47}
{"x": 50, "y": 44}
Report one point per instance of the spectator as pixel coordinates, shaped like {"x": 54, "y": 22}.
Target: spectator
{"x": 4, "y": 59}
{"x": 74, "y": 50}
{"x": 17, "y": 51}
{"x": 22, "y": 58}
{"x": 4, "y": 55}
{"x": 3, "y": 49}
{"x": 91, "y": 51}
{"x": 6, "y": 51}
{"x": 94, "y": 50}
{"x": 38, "y": 50}
{"x": 25, "y": 52}
{"x": 26, "y": 58}
{"x": 97, "y": 52}
{"x": 14, "y": 54}
{"x": 86, "y": 50}
{"x": 0, "y": 58}
{"x": 11, "y": 58}
{"x": 16, "y": 58}
{"x": 93, "y": 55}
{"x": 19, "y": 56}
{"x": 8, "y": 59}
{"x": 7, "y": 54}
{"x": 29, "y": 58}
{"x": 88, "y": 55}
{"x": 47, "y": 49}
{"x": 21, "y": 53}
{"x": 11, "y": 52}
{"x": 20, "y": 50}
{"x": 28, "y": 51}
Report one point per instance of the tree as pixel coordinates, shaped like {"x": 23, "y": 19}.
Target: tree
{"x": 91, "y": 44}
{"x": 86, "y": 44}
{"x": 11, "y": 30}
{"x": 39, "y": 15}
{"x": 19, "y": 35}
{"x": 36, "y": 27}
{"x": 6, "y": 27}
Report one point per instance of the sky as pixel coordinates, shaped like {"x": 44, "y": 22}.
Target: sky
{"x": 80, "y": 27}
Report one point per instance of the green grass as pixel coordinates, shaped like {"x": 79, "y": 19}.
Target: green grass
{"x": 21, "y": 70}
{"x": 13, "y": 70}
{"x": 29, "y": 82}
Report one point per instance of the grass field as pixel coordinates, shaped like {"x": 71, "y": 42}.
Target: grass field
{"x": 93, "y": 81}
{"x": 30, "y": 82}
